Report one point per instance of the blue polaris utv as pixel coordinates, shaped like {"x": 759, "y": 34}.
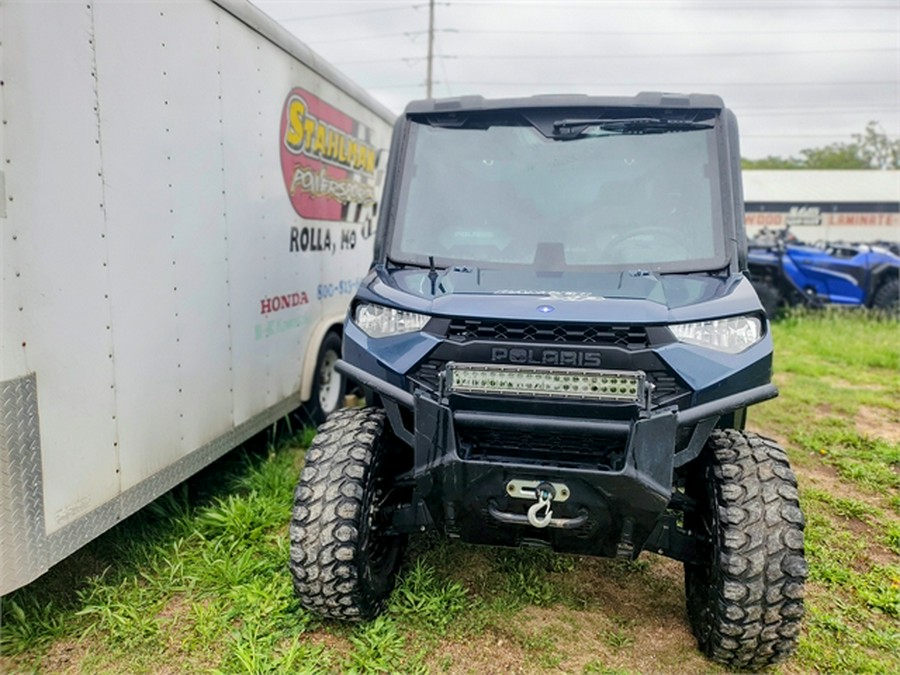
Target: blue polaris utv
{"x": 786, "y": 273}
{"x": 558, "y": 343}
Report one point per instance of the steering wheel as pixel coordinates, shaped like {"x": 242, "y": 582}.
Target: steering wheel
{"x": 672, "y": 241}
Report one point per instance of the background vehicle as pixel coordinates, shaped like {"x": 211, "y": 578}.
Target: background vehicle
{"x": 560, "y": 345}
{"x": 187, "y": 198}
{"x": 786, "y": 273}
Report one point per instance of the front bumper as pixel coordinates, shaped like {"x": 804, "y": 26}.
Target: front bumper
{"x": 618, "y": 474}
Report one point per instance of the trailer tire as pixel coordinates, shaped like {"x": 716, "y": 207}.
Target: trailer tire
{"x": 745, "y": 592}
{"x": 887, "y": 298}
{"x": 343, "y": 563}
{"x": 328, "y": 384}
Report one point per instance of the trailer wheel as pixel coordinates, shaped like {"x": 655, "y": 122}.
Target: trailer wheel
{"x": 887, "y": 297}
{"x": 342, "y": 560}
{"x": 328, "y": 383}
{"x": 745, "y": 590}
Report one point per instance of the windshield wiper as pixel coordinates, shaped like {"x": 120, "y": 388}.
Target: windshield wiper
{"x": 404, "y": 264}
{"x": 574, "y": 128}
{"x": 716, "y": 272}
{"x": 436, "y": 273}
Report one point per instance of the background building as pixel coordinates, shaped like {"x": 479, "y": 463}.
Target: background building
{"x": 859, "y": 205}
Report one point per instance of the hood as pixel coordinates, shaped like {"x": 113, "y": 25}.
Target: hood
{"x": 628, "y": 297}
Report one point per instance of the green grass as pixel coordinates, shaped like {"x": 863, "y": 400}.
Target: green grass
{"x": 198, "y": 581}
{"x": 428, "y": 602}
{"x": 831, "y": 367}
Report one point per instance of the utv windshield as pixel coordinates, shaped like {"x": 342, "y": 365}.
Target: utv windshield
{"x": 616, "y": 194}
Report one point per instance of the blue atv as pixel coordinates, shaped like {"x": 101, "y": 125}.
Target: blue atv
{"x": 559, "y": 343}
{"x": 786, "y": 273}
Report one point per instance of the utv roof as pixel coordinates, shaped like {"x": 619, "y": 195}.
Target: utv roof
{"x": 647, "y": 99}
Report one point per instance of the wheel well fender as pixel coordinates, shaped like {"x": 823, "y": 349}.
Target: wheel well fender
{"x": 327, "y": 324}
{"x": 881, "y": 274}
{"x": 785, "y": 276}
{"x": 762, "y": 268}
{"x": 768, "y": 273}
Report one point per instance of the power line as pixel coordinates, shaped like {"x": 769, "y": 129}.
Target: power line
{"x": 837, "y": 31}
{"x": 801, "y": 108}
{"x": 417, "y": 85}
{"x": 786, "y": 52}
{"x": 605, "y": 5}
{"x": 749, "y": 112}
{"x": 380, "y": 36}
{"x": 667, "y": 55}
{"x": 562, "y": 33}
{"x": 842, "y": 134}
{"x": 356, "y": 12}
{"x": 357, "y": 38}
{"x": 653, "y": 85}
{"x": 405, "y": 59}
{"x": 595, "y": 83}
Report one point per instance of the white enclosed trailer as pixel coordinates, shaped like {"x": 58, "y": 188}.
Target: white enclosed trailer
{"x": 188, "y": 198}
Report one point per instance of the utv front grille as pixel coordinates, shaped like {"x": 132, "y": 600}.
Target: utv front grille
{"x": 467, "y": 330}
{"x": 528, "y": 447}
{"x": 428, "y": 374}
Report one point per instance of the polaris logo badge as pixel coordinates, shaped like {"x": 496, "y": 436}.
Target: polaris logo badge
{"x": 545, "y": 357}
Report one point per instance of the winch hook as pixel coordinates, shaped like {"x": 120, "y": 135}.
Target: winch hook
{"x": 545, "y": 493}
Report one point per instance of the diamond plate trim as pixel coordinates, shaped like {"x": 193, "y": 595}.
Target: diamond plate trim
{"x": 26, "y": 550}
{"x": 21, "y": 485}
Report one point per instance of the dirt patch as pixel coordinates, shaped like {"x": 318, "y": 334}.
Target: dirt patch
{"x": 782, "y": 378}
{"x": 823, "y": 477}
{"x": 878, "y": 423}
{"x": 178, "y": 626}
{"x": 825, "y": 410}
{"x": 487, "y": 653}
{"x": 627, "y": 616}
{"x": 815, "y": 474}
{"x": 564, "y": 640}
{"x": 875, "y": 552}
{"x": 64, "y": 657}
{"x": 838, "y": 383}
{"x": 176, "y": 609}
{"x": 333, "y": 643}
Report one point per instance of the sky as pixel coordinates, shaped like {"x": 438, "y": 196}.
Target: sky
{"x": 798, "y": 73}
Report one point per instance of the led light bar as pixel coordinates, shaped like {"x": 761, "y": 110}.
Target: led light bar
{"x": 536, "y": 381}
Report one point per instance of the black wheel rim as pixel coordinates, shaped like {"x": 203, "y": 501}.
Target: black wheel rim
{"x": 703, "y": 576}
{"x": 379, "y": 550}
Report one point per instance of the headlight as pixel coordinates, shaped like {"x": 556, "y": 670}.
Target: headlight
{"x": 725, "y": 335}
{"x": 377, "y": 321}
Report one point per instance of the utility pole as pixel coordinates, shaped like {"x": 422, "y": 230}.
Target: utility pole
{"x": 430, "y": 47}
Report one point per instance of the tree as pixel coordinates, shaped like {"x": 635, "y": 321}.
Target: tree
{"x": 834, "y": 156}
{"x": 772, "y": 162}
{"x": 877, "y": 149}
{"x": 872, "y": 149}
